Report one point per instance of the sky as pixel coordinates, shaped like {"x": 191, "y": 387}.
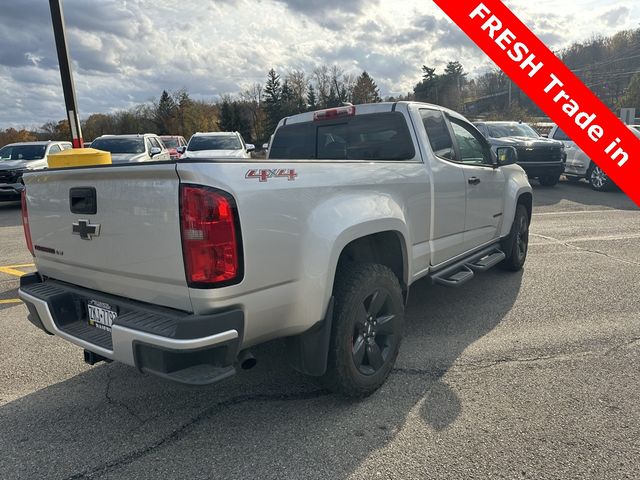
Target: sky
{"x": 125, "y": 52}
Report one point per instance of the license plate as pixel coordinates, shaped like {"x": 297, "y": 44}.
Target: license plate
{"x": 101, "y": 315}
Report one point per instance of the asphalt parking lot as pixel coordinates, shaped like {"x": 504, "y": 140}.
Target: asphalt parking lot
{"x": 527, "y": 375}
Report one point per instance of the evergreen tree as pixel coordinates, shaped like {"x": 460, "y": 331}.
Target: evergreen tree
{"x": 165, "y": 114}
{"x": 273, "y": 100}
{"x": 312, "y": 101}
{"x": 365, "y": 90}
{"x": 226, "y": 123}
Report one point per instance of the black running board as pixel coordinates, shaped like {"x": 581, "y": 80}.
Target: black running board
{"x": 464, "y": 270}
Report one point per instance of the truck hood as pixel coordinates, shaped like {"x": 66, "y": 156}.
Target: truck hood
{"x": 216, "y": 154}
{"x": 23, "y": 164}
{"x": 524, "y": 142}
{"x": 127, "y": 157}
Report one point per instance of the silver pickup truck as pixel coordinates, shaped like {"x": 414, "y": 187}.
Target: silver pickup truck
{"x": 179, "y": 268}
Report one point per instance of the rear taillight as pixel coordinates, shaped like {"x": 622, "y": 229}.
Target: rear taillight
{"x": 210, "y": 237}
{"x": 25, "y": 221}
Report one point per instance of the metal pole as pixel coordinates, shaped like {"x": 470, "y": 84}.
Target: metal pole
{"x": 68, "y": 87}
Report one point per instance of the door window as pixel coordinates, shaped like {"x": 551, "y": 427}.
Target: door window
{"x": 471, "y": 148}
{"x": 560, "y": 135}
{"x": 438, "y": 133}
{"x": 54, "y": 149}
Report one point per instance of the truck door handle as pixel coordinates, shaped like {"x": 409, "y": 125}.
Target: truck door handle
{"x": 474, "y": 181}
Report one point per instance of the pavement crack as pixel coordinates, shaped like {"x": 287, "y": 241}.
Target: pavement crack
{"x": 622, "y": 345}
{"x": 588, "y": 250}
{"x": 117, "y": 403}
{"x": 182, "y": 430}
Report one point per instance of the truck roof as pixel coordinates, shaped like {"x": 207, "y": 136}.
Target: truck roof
{"x": 364, "y": 109}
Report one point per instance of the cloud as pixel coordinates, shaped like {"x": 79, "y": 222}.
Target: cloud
{"x": 126, "y": 52}
{"x": 616, "y": 16}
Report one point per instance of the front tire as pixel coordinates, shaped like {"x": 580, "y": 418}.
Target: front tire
{"x": 517, "y": 241}
{"x": 598, "y": 180}
{"x": 549, "y": 180}
{"x": 366, "y": 330}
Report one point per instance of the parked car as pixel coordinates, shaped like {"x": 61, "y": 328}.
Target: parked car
{"x": 579, "y": 165}
{"x": 541, "y": 158}
{"x": 17, "y": 158}
{"x": 132, "y": 148}
{"x": 217, "y": 145}
{"x": 173, "y": 143}
{"x": 180, "y": 269}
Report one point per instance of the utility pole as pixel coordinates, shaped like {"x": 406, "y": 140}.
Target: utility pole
{"x": 68, "y": 87}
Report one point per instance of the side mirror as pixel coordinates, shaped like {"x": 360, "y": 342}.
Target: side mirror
{"x": 181, "y": 150}
{"x": 506, "y": 156}
{"x": 265, "y": 146}
{"x": 250, "y": 147}
{"x": 155, "y": 151}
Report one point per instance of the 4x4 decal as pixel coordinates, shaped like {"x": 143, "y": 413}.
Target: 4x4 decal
{"x": 265, "y": 174}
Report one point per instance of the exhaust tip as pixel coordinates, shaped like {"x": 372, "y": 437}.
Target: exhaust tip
{"x": 246, "y": 360}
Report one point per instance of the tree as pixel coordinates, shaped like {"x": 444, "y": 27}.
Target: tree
{"x": 631, "y": 97}
{"x": 312, "y": 101}
{"x": 11, "y": 135}
{"x": 227, "y": 113}
{"x": 166, "y": 114}
{"x": 273, "y": 100}
{"x": 365, "y": 90}
{"x": 427, "y": 89}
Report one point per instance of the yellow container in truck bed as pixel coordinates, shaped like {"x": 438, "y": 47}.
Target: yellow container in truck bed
{"x": 79, "y": 157}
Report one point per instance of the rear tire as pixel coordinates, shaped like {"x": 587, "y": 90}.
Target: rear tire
{"x": 549, "y": 180}
{"x": 517, "y": 241}
{"x": 366, "y": 330}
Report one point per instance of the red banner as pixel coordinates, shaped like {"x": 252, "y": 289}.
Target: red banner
{"x": 553, "y": 87}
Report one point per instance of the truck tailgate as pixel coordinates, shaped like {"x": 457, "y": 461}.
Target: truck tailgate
{"x": 130, "y": 246}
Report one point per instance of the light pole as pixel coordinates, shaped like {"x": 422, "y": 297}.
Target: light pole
{"x": 65, "y": 73}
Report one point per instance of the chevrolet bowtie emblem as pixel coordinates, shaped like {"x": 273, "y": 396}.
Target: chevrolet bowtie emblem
{"x": 86, "y": 230}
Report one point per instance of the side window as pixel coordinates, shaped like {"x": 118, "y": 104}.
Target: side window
{"x": 54, "y": 149}
{"x": 483, "y": 129}
{"x": 472, "y": 149}
{"x": 155, "y": 142}
{"x": 438, "y": 133}
{"x": 66, "y": 146}
{"x": 560, "y": 135}
{"x": 149, "y": 145}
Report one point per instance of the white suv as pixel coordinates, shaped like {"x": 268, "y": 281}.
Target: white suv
{"x": 17, "y": 158}
{"x": 132, "y": 148}
{"x": 217, "y": 145}
{"x": 579, "y": 165}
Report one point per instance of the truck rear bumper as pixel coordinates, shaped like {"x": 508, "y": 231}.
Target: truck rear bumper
{"x": 187, "y": 348}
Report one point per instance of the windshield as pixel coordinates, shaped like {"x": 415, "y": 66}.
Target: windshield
{"x": 170, "y": 142}
{"x": 511, "y": 130}
{"x": 22, "y": 152}
{"x": 119, "y": 145}
{"x": 214, "y": 143}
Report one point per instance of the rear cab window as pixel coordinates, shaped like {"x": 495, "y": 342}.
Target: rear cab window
{"x": 375, "y": 136}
